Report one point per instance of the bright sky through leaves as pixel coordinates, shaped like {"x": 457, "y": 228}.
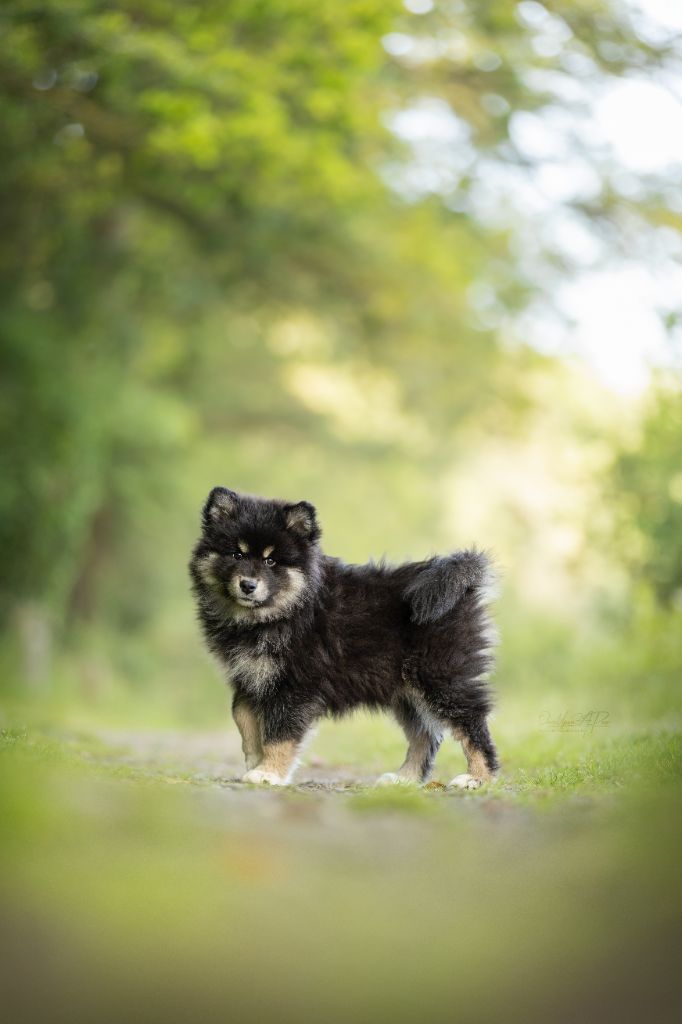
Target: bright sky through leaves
{"x": 611, "y": 310}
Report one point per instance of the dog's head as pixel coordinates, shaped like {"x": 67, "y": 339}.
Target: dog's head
{"x": 256, "y": 558}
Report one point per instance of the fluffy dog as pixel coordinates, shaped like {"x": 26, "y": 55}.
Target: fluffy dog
{"x": 302, "y": 635}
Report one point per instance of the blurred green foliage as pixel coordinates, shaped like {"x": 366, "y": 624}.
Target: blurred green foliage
{"x": 218, "y": 264}
{"x": 647, "y": 482}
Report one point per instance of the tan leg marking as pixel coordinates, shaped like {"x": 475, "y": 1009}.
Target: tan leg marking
{"x": 276, "y": 765}
{"x": 476, "y": 761}
{"x": 410, "y": 770}
{"x": 249, "y": 728}
{"x": 478, "y": 769}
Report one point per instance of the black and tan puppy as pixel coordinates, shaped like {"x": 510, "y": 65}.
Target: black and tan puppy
{"x": 302, "y": 635}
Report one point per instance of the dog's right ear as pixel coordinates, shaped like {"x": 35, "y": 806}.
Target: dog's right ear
{"x": 220, "y": 504}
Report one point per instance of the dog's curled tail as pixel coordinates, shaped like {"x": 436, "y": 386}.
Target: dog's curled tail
{"x": 441, "y": 582}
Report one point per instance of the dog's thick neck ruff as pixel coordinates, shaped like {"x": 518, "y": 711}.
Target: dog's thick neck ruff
{"x": 253, "y": 645}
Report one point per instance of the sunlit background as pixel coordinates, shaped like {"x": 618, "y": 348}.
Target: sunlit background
{"x": 419, "y": 264}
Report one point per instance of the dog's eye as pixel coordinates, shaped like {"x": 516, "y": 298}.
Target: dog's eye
{"x": 269, "y": 561}
{"x": 237, "y": 555}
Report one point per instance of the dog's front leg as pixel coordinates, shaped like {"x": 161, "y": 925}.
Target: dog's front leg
{"x": 250, "y": 731}
{"x": 277, "y": 764}
{"x": 284, "y": 725}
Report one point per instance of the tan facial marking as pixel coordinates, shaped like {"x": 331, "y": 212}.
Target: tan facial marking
{"x": 243, "y": 547}
{"x": 296, "y": 583}
{"x": 268, "y": 551}
{"x": 206, "y": 565}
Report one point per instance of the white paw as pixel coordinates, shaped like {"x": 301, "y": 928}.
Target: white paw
{"x": 393, "y": 779}
{"x": 465, "y": 782}
{"x": 257, "y": 775}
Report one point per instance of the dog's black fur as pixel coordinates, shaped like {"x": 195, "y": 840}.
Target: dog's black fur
{"x": 309, "y": 636}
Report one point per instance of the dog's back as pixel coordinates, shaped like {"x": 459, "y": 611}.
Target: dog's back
{"x": 415, "y": 639}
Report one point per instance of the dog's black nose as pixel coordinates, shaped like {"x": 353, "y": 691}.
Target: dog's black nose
{"x": 248, "y": 586}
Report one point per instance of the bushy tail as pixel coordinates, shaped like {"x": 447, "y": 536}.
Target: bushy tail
{"x": 442, "y": 582}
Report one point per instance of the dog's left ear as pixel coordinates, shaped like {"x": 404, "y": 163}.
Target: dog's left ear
{"x": 302, "y": 520}
{"x": 221, "y": 503}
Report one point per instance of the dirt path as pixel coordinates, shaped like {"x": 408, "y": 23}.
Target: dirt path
{"x": 204, "y": 757}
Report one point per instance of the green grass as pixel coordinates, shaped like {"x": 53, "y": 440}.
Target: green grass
{"x": 148, "y": 877}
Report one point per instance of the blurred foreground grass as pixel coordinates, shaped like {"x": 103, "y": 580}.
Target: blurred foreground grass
{"x": 139, "y": 878}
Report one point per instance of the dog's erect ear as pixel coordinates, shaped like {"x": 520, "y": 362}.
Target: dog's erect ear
{"x": 220, "y": 504}
{"x": 301, "y": 519}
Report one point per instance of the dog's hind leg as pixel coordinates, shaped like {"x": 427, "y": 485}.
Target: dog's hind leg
{"x": 479, "y": 751}
{"x": 423, "y": 743}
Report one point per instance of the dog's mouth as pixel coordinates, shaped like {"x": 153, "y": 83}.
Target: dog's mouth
{"x": 245, "y": 600}
{"x": 249, "y": 602}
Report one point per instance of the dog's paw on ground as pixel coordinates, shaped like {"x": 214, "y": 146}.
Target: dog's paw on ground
{"x": 257, "y": 775}
{"x": 393, "y": 779}
{"x": 465, "y": 781}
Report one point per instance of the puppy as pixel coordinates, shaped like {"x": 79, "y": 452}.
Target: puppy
{"x": 302, "y": 635}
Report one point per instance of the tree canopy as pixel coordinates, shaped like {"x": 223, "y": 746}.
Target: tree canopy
{"x": 219, "y": 230}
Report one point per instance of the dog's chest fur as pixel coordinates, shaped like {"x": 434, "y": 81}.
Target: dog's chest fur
{"x": 254, "y": 659}
{"x": 254, "y": 671}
